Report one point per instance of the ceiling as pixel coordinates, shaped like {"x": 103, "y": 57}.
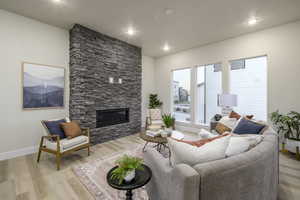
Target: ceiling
{"x": 192, "y": 23}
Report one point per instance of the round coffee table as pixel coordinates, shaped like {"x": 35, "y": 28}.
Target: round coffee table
{"x": 142, "y": 177}
{"x": 158, "y": 140}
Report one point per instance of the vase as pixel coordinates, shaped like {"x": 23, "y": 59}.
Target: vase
{"x": 169, "y": 130}
{"x": 164, "y": 134}
{"x": 129, "y": 176}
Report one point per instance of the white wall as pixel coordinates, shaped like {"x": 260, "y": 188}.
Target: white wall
{"x": 148, "y": 84}
{"x": 281, "y": 45}
{"x": 23, "y": 39}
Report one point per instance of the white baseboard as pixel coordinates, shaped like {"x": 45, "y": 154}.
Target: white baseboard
{"x": 18, "y": 152}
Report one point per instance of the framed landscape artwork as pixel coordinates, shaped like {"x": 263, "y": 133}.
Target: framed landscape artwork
{"x": 43, "y": 86}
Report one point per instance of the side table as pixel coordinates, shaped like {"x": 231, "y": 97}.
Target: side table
{"x": 142, "y": 177}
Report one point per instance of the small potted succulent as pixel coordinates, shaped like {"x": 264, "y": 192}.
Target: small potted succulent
{"x": 169, "y": 122}
{"x": 126, "y": 168}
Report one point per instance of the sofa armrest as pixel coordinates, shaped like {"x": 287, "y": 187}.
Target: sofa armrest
{"x": 168, "y": 183}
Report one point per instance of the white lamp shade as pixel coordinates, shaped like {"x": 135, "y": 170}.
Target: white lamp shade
{"x": 229, "y": 100}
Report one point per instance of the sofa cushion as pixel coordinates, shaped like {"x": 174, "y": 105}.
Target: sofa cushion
{"x": 54, "y": 127}
{"x": 191, "y": 155}
{"x": 246, "y": 126}
{"x": 67, "y": 144}
{"x": 157, "y": 122}
{"x": 71, "y": 129}
{"x": 155, "y": 114}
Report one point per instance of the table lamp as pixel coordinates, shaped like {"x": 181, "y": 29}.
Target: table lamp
{"x": 227, "y": 101}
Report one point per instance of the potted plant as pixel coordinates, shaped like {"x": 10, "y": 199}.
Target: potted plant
{"x": 288, "y": 126}
{"x": 169, "y": 122}
{"x": 126, "y": 168}
{"x": 154, "y": 102}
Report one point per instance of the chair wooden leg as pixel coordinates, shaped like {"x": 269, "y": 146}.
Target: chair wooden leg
{"x": 89, "y": 151}
{"x": 40, "y": 151}
{"x": 58, "y": 158}
{"x": 39, "y": 155}
{"x": 297, "y": 153}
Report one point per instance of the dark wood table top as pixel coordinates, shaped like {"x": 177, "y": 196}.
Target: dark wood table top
{"x": 142, "y": 177}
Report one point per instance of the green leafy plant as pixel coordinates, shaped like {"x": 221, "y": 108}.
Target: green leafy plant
{"x": 288, "y": 125}
{"x": 126, "y": 164}
{"x": 154, "y": 102}
{"x": 168, "y": 120}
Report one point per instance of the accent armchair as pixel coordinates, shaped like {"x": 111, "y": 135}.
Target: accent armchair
{"x": 53, "y": 144}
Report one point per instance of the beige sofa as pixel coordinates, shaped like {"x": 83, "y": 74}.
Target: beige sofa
{"x": 252, "y": 175}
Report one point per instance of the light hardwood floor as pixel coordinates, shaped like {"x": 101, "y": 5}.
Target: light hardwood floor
{"x": 28, "y": 180}
{"x": 32, "y": 181}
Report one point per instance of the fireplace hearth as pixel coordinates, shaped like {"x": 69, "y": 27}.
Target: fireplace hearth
{"x": 110, "y": 117}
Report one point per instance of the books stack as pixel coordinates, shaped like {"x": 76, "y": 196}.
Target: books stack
{"x": 177, "y": 135}
{"x": 153, "y": 133}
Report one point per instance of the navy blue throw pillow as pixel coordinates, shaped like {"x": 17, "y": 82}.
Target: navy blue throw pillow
{"x": 248, "y": 127}
{"x": 55, "y": 129}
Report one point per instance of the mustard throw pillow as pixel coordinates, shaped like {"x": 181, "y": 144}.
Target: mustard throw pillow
{"x": 221, "y": 128}
{"x": 71, "y": 129}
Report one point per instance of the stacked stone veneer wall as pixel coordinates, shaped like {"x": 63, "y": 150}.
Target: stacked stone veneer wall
{"x": 94, "y": 58}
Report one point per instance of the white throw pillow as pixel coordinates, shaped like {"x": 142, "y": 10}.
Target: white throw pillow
{"x": 206, "y": 134}
{"x": 239, "y": 144}
{"x": 229, "y": 122}
{"x": 191, "y": 155}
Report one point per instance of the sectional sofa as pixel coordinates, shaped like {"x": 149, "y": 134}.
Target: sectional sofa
{"x": 252, "y": 175}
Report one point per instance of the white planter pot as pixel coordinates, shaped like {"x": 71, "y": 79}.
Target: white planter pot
{"x": 130, "y": 176}
{"x": 169, "y": 130}
{"x": 164, "y": 133}
{"x": 291, "y": 145}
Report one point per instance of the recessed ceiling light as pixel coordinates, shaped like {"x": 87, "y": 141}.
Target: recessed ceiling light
{"x": 166, "y": 47}
{"x": 56, "y": 1}
{"x": 252, "y": 21}
{"x": 131, "y": 31}
{"x": 169, "y": 11}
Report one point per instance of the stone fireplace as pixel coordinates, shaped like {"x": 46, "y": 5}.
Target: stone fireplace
{"x": 98, "y": 99}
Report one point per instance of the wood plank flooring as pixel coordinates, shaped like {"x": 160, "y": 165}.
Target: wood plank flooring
{"x": 31, "y": 181}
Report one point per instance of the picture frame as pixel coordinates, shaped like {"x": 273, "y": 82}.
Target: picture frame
{"x": 43, "y": 86}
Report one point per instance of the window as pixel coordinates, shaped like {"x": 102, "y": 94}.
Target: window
{"x": 209, "y": 85}
{"x": 248, "y": 80}
{"x": 181, "y": 95}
